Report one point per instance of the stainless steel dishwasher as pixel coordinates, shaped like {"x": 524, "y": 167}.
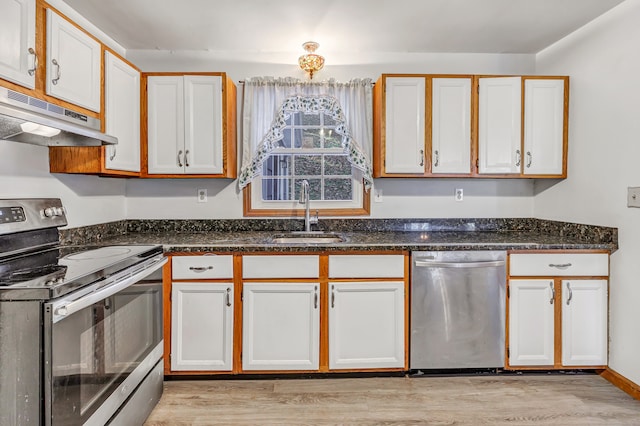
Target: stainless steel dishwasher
{"x": 457, "y": 310}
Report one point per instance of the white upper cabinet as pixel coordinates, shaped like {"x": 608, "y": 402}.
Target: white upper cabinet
{"x": 73, "y": 63}
{"x": 185, "y": 125}
{"x": 404, "y": 125}
{"x": 17, "y": 41}
{"x": 584, "y": 322}
{"x": 544, "y": 113}
{"x": 165, "y": 112}
{"x": 451, "y": 125}
{"x": 500, "y": 125}
{"x": 122, "y": 114}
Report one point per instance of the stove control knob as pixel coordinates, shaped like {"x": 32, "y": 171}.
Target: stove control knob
{"x": 62, "y": 311}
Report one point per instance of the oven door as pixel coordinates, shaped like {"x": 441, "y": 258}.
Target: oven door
{"x": 100, "y": 344}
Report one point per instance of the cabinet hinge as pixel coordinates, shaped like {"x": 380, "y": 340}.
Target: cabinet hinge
{"x": 242, "y": 296}
{"x": 508, "y": 353}
{"x": 478, "y": 88}
{"x": 508, "y": 292}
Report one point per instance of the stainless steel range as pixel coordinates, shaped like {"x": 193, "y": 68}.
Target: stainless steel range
{"x": 80, "y": 327}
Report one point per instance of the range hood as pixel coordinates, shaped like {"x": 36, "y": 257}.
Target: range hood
{"x": 30, "y": 120}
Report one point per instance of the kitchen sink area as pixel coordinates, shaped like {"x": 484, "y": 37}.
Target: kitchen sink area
{"x": 312, "y": 237}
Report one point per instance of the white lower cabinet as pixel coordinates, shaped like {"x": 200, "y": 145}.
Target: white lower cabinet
{"x": 533, "y": 310}
{"x": 201, "y": 326}
{"x": 584, "y": 322}
{"x": 366, "y": 325}
{"x": 531, "y": 322}
{"x": 281, "y": 326}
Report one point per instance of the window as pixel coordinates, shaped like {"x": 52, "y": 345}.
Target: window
{"x": 308, "y": 140}
{"x": 311, "y": 150}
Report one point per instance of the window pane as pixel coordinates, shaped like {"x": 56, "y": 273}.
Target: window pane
{"x": 307, "y": 165}
{"x": 276, "y": 189}
{"x": 277, "y": 165}
{"x": 310, "y": 119}
{"x": 315, "y": 188}
{"x": 332, "y": 139}
{"x": 286, "y": 140}
{"x": 338, "y": 189}
{"x": 329, "y": 121}
{"x": 307, "y": 138}
{"x": 336, "y": 165}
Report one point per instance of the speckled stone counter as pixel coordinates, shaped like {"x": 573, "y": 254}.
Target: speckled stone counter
{"x": 252, "y": 235}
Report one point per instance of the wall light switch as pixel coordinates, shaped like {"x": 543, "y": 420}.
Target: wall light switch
{"x": 202, "y": 195}
{"x": 633, "y": 196}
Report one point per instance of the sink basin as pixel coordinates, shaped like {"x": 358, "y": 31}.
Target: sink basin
{"x": 307, "y": 238}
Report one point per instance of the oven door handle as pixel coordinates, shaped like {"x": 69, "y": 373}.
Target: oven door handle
{"x": 64, "y": 308}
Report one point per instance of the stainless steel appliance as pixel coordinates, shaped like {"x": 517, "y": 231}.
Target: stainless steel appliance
{"x": 81, "y": 337}
{"x": 457, "y": 310}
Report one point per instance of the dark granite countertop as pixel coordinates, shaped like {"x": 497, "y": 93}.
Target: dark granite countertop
{"x": 359, "y": 235}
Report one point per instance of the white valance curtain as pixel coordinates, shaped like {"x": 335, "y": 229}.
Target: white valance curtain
{"x": 268, "y": 102}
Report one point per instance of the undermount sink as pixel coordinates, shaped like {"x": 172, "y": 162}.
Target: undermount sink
{"x": 318, "y": 237}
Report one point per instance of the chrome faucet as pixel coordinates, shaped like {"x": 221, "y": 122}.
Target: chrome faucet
{"x": 305, "y": 199}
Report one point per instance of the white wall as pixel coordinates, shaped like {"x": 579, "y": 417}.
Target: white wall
{"x": 603, "y": 62}
{"x": 24, "y": 173}
{"x": 401, "y": 197}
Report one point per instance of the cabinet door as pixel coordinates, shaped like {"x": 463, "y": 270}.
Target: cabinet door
{"x": 544, "y": 126}
{"x": 73, "y": 63}
{"x": 531, "y": 322}
{"x": 366, "y": 325}
{"x": 404, "y": 125}
{"x": 122, "y": 114}
{"x": 18, "y": 35}
{"x": 280, "y": 326}
{"x": 165, "y": 121}
{"x": 451, "y": 125}
{"x": 584, "y": 322}
{"x": 499, "y": 125}
{"x": 203, "y": 124}
{"x": 202, "y": 326}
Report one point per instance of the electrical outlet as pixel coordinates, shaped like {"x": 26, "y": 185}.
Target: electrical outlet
{"x": 459, "y": 194}
{"x": 202, "y": 195}
{"x": 377, "y": 195}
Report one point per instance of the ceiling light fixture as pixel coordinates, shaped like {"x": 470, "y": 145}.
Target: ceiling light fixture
{"x": 311, "y": 62}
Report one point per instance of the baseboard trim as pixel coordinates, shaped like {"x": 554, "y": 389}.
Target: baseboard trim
{"x": 621, "y": 382}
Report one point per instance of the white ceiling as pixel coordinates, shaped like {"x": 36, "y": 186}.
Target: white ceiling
{"x": 457, "y": 26}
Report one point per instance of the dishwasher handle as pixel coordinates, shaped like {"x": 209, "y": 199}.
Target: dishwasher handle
{"x": 438, "y": 264}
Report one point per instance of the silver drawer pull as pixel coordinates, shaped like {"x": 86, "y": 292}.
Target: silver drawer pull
{"x": 553, "y": 293}
{"x": 200, "y": 268}
{"x": 570, "y": 294}
{"x": 58, "y": 74}
{"x": 559, "y": 265}
{"x": 228, "y": 296}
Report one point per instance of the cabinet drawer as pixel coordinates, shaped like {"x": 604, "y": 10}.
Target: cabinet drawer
{"x": 366, "y": 266}
{"x": 559, "y": 264}
{"x": 202, "y": 267}
{"x": 285, "y": 266}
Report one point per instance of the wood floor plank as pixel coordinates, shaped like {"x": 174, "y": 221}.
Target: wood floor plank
{"x": 458, "y": 400}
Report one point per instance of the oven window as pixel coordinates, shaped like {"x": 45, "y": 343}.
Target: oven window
{"x": 95, "y": 349}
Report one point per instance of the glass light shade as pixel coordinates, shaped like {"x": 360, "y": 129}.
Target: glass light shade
{"x": 311, "y": 62}
{"x": 39, "y": 129}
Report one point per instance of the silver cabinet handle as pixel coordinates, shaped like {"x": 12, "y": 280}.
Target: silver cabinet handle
{"x": 228, "y": 296}
{"x": 333, "y": 296}
{"x": 113, "y": 153}
{"x": 529, "y": 159}
{"x": 559, "y": 265}
{"x": 200, "y": 268}
{"x": 315, "y": 298}
{"x": 570, "y": 294}
{"x": 180, "y": 158}
{"x": 518, "y": 157}
{"x": 437, "y": 161}
{"x": 32, "y": 71}
{"x": 422, "y": 157}
{"x": 553, "y": 293}
{"x": 58, "y": 73}
{"x": 186, "y": 158}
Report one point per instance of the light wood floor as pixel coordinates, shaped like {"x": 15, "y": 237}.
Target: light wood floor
{"x": 557, "y": 400}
